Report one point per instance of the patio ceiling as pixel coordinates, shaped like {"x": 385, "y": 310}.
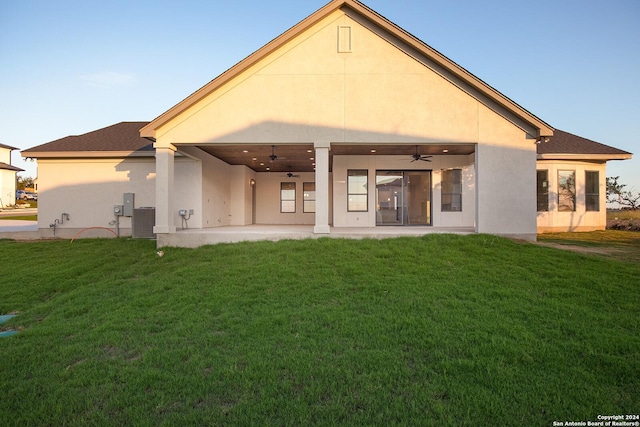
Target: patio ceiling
{"x": 301, "y": 158}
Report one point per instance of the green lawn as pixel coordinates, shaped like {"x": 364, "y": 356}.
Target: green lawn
{"x": 20, "y": 217}
{"x": 438, "y": 331}
{"x": 622, "y": 245}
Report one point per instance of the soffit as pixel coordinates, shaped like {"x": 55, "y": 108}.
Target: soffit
{"x": 301, "y": 158}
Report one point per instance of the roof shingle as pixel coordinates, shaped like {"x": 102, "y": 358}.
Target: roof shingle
{"x": 120, "y": 137}
{"x": 7, "y": 167}
{"x": 567, "y": 143}
{"x": 8, "y": 147}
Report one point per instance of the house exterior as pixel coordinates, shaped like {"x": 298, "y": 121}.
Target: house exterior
{"x": 345, "y": 121}
{"x": 7, "y": 177}
{"x": 571, "y": 186}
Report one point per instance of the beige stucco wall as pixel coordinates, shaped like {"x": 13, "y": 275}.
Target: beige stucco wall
{"x": 580, "y": 219}
{"x": 341, "y": 164}
{"x": 268, "y": 199}
{"x": 309, "y": 92}
{"x": 188, "y": 192}
{"x": 7, "y": 187}
{"x": 505, "y": 180}
{"x": 241, "y": 195}
{"x": 7, "y": 180}
{"x": 220, "y": 194}
{"x": 88, "y": 189}
{"x": 5, "y": 155}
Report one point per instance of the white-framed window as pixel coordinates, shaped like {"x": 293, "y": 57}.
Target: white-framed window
{"x": 357, "y": 190}
{"x": 287, "y": 197}
{"x": 308, "y": 197}
{"x": 451, "y": 190}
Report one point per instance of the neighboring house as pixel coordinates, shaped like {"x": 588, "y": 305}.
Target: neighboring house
{"x": 344, "y": 121}
{"x": 7, "y": 177}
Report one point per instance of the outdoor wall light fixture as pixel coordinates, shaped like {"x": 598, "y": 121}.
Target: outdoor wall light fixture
{"x": 252, "y": 182}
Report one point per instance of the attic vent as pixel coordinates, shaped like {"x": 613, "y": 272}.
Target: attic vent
{"x": 344, "y": 39}
{"x": 142, "y": 223}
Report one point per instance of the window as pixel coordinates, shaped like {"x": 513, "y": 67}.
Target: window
{"x": 566, "y": 191}
{"x": 357, "y": 194}
{"x": 592, "y": 189}
{"x": 543, "y": 190}
{"x": 309, "y": 197}
{"x": 288, "y": 197}
{"x": 451, "y": 190}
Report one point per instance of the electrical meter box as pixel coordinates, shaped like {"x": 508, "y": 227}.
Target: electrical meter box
{"x": 128, "y": 200}
{"x": 118, "y": 210}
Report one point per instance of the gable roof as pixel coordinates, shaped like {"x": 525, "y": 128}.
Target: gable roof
{"x": 441, "y": 64}
{"x": 565, "y": 145}
{"x": 118, "y": 140}
{"x": 7, "y": 167}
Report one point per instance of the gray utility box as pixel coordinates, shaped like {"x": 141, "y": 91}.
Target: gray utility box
{"x": 128, "y": 201}
{"x": 142, "y": 223}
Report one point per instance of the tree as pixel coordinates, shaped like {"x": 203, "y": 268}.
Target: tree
{"x": 617, "y": 194}
{"x": 24, "y": 182}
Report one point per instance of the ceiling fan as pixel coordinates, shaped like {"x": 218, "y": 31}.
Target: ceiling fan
{"x": 292, "y": 175}
{"x": 417, "y": 157}
{"x": 273, "y": 156}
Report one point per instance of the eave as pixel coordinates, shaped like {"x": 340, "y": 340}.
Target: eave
{"x": 87, "y": 154}
{"x": 8, "y": 167}
{"x": 587, "y": 157}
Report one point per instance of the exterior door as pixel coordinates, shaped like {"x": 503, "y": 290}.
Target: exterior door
{"x": 403, "y": 198}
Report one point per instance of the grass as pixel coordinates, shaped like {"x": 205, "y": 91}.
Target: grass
{"x": 20, "y": 217}
{"x": 441, "y": 330}
{"x": 622, "y": 245}
{"x": 623, "y": 214}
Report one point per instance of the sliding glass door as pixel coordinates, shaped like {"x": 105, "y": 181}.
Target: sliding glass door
{"x": 403, "y": 197}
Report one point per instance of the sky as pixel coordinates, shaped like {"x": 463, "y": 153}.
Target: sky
{"x": 70, "y": 67}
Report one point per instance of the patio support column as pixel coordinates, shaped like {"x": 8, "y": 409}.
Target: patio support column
{"x": 164, "y": 190}
{"x": 322, "y": 187}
